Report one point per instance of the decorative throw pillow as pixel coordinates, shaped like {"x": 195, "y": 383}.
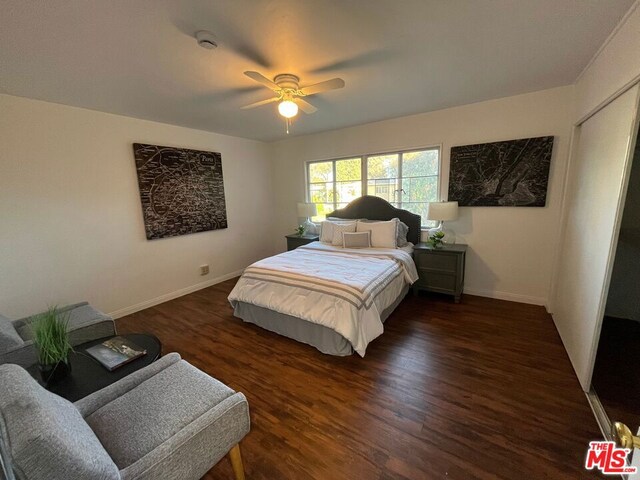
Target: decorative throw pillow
{"x": 339, "y": 229}
{"x": 403, "y": 230}
{"x": 326, "y": 230}
{"x": 383, "y": 234}
{"x": 356, "y": 239}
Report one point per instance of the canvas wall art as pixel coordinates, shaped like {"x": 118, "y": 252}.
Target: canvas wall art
{"x": 181, "y": 190}
{"x": 513, "y": 173}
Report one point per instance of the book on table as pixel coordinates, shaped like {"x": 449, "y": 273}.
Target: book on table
{"x": 116, "y": 352}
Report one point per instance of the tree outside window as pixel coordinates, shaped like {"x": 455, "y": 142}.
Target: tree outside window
{"x": 407, "y": 180}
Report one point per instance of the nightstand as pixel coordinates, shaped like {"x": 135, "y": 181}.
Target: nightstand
{"x": 294, "y": 241}
{"x": 440, "y": 269}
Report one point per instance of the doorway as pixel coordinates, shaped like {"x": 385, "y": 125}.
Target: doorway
{"x": 616, "y": 375}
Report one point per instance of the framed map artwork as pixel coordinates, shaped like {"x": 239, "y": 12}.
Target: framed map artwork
{"x": 182, "y": 190}
{"x": 513, "y": 173}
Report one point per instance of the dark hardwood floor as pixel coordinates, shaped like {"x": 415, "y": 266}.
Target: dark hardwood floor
{"x": 483, "y": 389}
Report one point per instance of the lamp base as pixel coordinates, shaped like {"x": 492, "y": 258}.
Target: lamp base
{"x": 449, "y": 235}
{"x": 310, "y": 228}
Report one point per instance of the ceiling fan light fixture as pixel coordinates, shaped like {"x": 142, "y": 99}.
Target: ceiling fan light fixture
{"x": 288, "y": 109}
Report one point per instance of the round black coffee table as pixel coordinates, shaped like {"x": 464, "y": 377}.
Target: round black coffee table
{"x": 88, "y": 375}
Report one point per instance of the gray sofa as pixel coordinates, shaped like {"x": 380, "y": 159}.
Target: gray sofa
{"x": 168, "y": 420}
{"x": 85, "y": 324}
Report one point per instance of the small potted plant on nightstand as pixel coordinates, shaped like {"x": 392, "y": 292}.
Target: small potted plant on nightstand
{"x": 435, "y": 240}
{"x": 300, "y": 229}
{"x": 51, "y": 339}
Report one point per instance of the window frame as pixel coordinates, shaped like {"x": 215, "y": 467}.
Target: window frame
{"x": 363, "y": 172}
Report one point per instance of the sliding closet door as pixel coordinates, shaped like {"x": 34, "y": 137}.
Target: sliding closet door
{"x": 595, "y": 189}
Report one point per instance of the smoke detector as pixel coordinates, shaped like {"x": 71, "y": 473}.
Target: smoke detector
{"x": 206, "y": 40}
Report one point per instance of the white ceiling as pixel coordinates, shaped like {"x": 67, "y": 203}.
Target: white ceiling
{"x": 398, "y": 57}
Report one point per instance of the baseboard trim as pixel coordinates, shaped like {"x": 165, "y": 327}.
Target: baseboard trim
{"x": 512, "y": 297}
{"x": 171, "y": 295}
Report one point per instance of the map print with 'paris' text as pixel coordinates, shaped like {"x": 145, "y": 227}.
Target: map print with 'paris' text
{"x": 181, "y": 190}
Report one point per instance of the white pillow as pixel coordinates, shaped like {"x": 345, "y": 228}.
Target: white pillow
{"x": 339, "y": 229}
{"x": 326, "y": 230}
{"x": 357, "y": 240}
{"x": 383, "y": 234}
{"x": 401, "y": 234}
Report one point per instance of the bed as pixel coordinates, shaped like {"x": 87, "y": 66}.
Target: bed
{"x": 333, "y": 298}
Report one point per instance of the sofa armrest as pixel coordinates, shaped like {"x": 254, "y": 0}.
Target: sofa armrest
{"x": 193, "y": 450}
{"x": 95, "y": 401}
{"x": 28, "y": 320}
{"x": 85, "y": 324}
{"x": 24, "y": 355}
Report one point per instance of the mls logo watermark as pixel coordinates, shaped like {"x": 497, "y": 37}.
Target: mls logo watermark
{"x": 607, "y": 458}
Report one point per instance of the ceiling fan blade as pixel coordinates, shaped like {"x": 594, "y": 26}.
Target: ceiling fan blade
{"x": 305, "y": 106}
{"x": 332, "y": 84}
{"x": 260, "y": 103}
{"x": 258, "y": 77}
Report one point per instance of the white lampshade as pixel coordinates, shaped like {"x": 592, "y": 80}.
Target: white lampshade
{"x": 442, "y": 211}
{"x": 307, "y": 210}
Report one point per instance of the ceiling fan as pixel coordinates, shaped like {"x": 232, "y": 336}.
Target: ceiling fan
{"x": 289, "y": 94}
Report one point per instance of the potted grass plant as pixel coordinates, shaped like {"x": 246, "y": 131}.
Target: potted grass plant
{"x": 51, "y": 339}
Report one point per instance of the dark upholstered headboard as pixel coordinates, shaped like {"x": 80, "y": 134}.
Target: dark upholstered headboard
{"x": 376, "y": 208}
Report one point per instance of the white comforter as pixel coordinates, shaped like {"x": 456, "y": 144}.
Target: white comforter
{"x": 340, "y": 288}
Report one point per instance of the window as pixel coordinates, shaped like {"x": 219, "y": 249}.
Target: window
{"x": 407, "y": 180}
{"x": 333, "y": 184}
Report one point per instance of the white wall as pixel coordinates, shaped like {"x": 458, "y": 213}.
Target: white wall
{"x": 71, "y": 224}
{"x": 511, "y": 249}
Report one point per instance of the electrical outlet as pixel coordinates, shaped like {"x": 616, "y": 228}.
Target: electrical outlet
{"x": 204, "y": 269}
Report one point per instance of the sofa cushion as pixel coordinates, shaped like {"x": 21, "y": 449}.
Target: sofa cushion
{"x": 46, "y": 435}
{"x": 9, "y": 338}
{"x": 143, "y": 418}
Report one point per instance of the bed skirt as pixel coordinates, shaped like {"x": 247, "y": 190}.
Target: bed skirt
{"x": 323, "y": 338}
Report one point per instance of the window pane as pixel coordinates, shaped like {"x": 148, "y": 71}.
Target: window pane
{"x": 324, "y": 209}
{"x": 420, "y": 164}
{"x": 321, "y": 172}
{"x": 420, "y": 189}
{"x": 321, "y": 192}
{"x": 350, "y": 169}
{"x": 383, "y": 188}
{"x": 382, "y": 166}
{"x": 347, "y": 191}
{"x": 421, "y": 209}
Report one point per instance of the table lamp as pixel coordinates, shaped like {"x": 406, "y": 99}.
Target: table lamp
{"x": 443, "y": 212}
{"x": 307, "y": 210}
